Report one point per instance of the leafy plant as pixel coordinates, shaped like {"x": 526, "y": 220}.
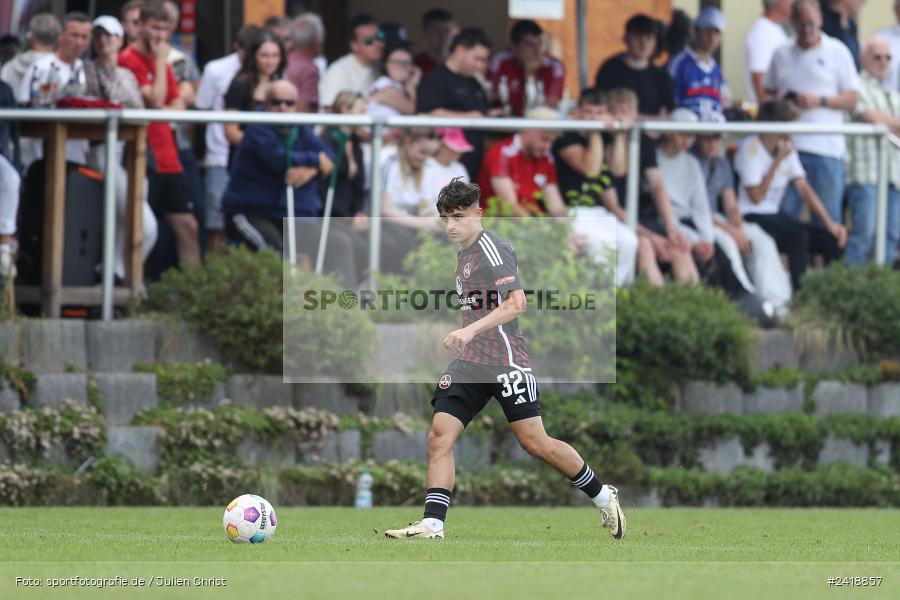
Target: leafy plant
{"x": 183, "y": 383}
{"x": 854, "y": 306}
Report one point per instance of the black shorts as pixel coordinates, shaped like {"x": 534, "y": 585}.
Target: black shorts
{"x": 466, "y": 387}
{"x": 169, "y": 193}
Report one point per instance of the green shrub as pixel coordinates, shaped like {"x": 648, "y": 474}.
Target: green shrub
{"x": 185, "y": 383}
{"x": 33, "y": 433}
{"x": 18, "y": 378}
{"x": 236, "y": 299}
{"x": 678, "y": 333}
{"x": 120, "y": 483}
{"x": 857, "y": 306}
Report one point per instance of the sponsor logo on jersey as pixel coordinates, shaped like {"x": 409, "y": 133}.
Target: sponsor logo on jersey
{"x": 504, "y": 280}
{"x": 459, "y": 288}
{"x": 445, "y": 381}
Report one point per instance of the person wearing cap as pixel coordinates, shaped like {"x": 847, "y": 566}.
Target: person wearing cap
{"x": 520, "y": 171}
{"x": 104, "y": 78}
{"x": 699, "y": 83}
{"x": 444, "y": 166}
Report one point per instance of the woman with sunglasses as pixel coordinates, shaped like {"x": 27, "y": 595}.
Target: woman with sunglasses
{"x": 394, "y": 92}
{"x": 264, "y": 62}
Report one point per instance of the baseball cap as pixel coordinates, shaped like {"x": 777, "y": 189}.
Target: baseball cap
{"x": 453, "y": 138}
{"x": 710, "y": 18}
{"x": 110, "y": 25}
{"x": 683, "y": 115}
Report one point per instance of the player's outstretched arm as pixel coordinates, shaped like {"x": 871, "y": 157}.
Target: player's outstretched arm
{"x": 513, "y": 305}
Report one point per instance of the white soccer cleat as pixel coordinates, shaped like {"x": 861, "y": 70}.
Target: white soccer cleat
{"x": 613, "y": 517}
{"x": 415, "y": 530}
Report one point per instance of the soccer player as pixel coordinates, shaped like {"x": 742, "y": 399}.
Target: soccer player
{"x": 491, "y": 361}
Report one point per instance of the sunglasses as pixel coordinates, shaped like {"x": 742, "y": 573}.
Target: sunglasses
{"x": 282, "y": 102}
{"x": 371, "y": 39}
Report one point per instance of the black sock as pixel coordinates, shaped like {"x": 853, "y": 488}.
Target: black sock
{"x": 587, "y": 482}
{"x": 437, "y": 501}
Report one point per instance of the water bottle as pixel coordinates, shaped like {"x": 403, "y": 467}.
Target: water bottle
{"x": 364, "y": 490}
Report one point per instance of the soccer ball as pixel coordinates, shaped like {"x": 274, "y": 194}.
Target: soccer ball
{"x": 249, "y": 518}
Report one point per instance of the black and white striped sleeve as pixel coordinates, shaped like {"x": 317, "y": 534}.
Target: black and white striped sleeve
{"x": 502, "y": 260}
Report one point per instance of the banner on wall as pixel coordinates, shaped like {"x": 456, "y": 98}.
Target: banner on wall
{"x": 537, "y": 9}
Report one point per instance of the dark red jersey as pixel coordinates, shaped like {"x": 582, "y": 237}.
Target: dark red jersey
{"x": 485, "y": 272}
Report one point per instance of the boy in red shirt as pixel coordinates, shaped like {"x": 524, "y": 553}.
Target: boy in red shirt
{"x": 525, "y": 76}
{"x": 169, "y": 191}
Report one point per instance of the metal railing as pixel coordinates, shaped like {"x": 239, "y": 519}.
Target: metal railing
{"x": 112, "y": 118}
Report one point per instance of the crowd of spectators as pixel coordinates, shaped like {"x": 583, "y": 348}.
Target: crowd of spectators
{"x": 749, "y": 219}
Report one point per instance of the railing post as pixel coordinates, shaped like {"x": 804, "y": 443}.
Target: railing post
{"x": 634, "y": 176}
{"x": 882, "y": 201}
{"x": 109, "y": 215}
{"x": 375, "y": 203}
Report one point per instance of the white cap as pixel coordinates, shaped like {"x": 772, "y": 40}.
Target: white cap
{"x": 110, "y": 25}
{"x": 683, "y": 115}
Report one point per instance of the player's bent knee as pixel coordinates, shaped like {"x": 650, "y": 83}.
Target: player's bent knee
{"x": 439, "y": 442}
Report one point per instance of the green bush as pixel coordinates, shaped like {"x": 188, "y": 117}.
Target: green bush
{"x": 677, "y": 333}
{"x": 183, "y": 383}
{"x": 120, "y": 483}
{"x": 18, "y": 378}
{"x": 238, "y": 299}
{"x": 32, "y": 434}
{"x": 857, "y": 306}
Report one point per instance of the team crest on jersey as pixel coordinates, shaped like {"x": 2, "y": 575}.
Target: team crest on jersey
{"x": 540, "y": 179}
{"x": 445, "y": 381}
{"x": 467, "y": 270}
{"x": 458, "y": 286}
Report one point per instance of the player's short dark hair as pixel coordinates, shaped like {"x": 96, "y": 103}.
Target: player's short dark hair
{"x": 523, "y": 28}
{"x": 780, "y": 111}
{"x": 470, "y": 37}
{"x": 75, "y": 17}
{"x": 641, "y": 24}
{"x": 436, "y": 15}
{"x": 594, "y": 96}
{"x": 154, "y": 10}
{"x": 361, "y": 20}
{"x": 130, "y": 6}
{"x": 457, "y": 195}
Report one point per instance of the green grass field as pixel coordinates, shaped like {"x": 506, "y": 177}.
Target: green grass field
{"x": 489, "y": 553}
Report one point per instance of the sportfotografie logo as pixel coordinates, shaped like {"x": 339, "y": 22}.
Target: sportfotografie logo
{"x": 439, "y": 300}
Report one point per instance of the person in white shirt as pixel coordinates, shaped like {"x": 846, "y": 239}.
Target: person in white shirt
{"x": 686, "y": 187}
{"x": 767, "y": 165}
{"x": 57, "y": 75}
{"x": 43, "y": 35}
{"x": 764, "y": 37}
{"x": 354, "y": 72}
{"x": 818, "y": 73}
{"x": 216, "y": 79}
{"x": 892, "y": 34}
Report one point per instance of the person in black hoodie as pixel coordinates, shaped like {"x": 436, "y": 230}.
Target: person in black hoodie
{"x": 268, "y": 159}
